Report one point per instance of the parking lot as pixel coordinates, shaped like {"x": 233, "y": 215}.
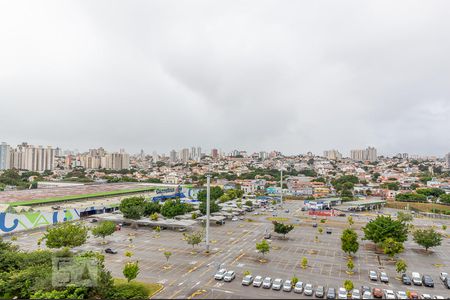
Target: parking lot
{"x": 190, "y": 271}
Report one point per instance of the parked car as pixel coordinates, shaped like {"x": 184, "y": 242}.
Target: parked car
{"x": 277, "y": 284}
{"x": 373, "y": 275}
{"x": 286, "y": 211}
{"x": 447, "y": 282}
{"x": 267, "y": 283}
{"x": 402, "y": 295}
{"x": 247, "y": 280}
{"x": 329, "y": 231}
{"x": 416, "y": 278}
{"x": 405, "y": 279}
{"x": 308, "y": 290}
{"x": 383, "y": 277}
{"x": 229, "y": 276}
{"x": 389, "y": 294}
{"x": 298, "y": 288}
{"x": 331, "y": 293}
{"x": 356, "y": 294}
{"x": 220, "y": 274}
{"x": 257, "y": 282}
{"x": 110, "y": 251}
{"x": 427, "y": 281}
{"x": 377, "y": 293}
{"x": 342, "y": 293}
{"x": 320, "y": 291}
{"x": 267, "y": 235}
{"x": 365, "y": 288}
{"x": 314, "y": 225}
{"x": 443, "y": 276}
{"x": 94, "y": 220}
{"x": 413, "y": 295}
{"x": 425, "y": 296}
{"x": 234, "y": 219}
{"x": 438, "y": 297}
{"x": 287, "y": 285}
{"x": 367, "y": 295}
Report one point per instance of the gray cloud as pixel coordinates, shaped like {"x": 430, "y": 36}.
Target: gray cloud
{"x": 258, "y": 75}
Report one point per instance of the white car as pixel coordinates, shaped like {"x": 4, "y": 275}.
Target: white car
{"x": 247, "y": 280}
{"x": 220, "y": 274}
{"x": 383, "y": 277}
{"x": 416, "y": 278}
{"x": 373, "y": 275}
{"x": 298, "y": 288}
{"x": 438, "y": 297}
{"x": 389, "y": 294}
{"x": 425, "y": 296}
{"x": 443, "y": 276}
{"x": 257, "y": 282}
{"x": 234, "y": 219}
{"x": 342, "y": 293}
{"x": 308, "y": 290}
{"x": 267, "y": 283}
{"x": 277, "y": 284}
{"x": 356, "y": 294}
{"x": 229, "y": 276}
{"x": 287, "y": 286}
{"x": 367, "y": 295}
{"x": 402, "y": 295}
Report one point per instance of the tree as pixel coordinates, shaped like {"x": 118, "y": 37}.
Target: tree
{"x": 151, "y": 208}
{"x": 444, "y": 227}
{"x": 172, "y": 208}
{"x": 404, "y": 217}
{"x": 167, "y": 254}
{"x": 384, "y": 227}
{"x": 213, "y": 206}
{"x": 350, "y": 221}
{"x": 350, "y": 265}
{"x": 294, "y": 280}
{"x": 320, "y": 230}
{"x": 154, "y": 216}
{"x": 304, "y": 262}
{"x": 133, "y": 207}
{"x": 401, "y": 266}
{"x": 249, "y": 203}
{"x": 215, "y": 193}
{"x": 131, "y": 270}
{"x": 427, "y": 238}
{"x": 348, "y": 285}
{"x": 281, "y": 228}
{"x": 391, "y": 247}
{"x": 104, "y": 229}
{"x": 349, "y": 241}
{"x": 66, "y": 235}
{"x": 194, "y": 238}
{"x": 263, "y": 247}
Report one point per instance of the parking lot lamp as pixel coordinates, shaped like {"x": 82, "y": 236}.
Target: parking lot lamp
{"x": 281, "y": 185}
{"x": 208, "y": 181}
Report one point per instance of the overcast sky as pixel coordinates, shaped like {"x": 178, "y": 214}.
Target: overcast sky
{"x": 293, "y": 76}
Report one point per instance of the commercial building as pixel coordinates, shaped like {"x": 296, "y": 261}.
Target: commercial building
{"x": 332, "y": 154}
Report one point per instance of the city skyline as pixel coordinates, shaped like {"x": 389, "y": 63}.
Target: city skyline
{"x": 253, "y": 78}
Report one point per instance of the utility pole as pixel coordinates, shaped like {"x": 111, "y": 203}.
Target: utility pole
{"x": 208, "y": 182}
{"x": 281, "y": 184}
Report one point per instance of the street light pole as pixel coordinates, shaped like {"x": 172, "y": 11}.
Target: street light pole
{"x": 281, "y": 184}
{"x": 208, "y": 181}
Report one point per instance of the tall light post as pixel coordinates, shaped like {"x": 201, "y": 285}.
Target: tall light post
{"x": 281, "y": 185}
{"x": 208, "y": 181}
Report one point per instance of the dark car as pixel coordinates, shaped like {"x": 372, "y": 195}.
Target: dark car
{"x": 320, "y": 291}
{"x": 328, "y": 230}
{"x": 314, "y": 224}
{"x": 110, "y": 251}
{"x": 94, "y": 220}
{"x": 406, "y": 280}
{"x": 331, "y": 293}
{"x": 427, "y": 281}
{"x": 365, "y": 288}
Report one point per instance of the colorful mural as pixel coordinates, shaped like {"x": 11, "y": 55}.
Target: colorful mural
{"x": 15, "y": 222}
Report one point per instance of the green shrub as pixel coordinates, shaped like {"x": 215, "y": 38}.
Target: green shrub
{"x": 132, "y": 290}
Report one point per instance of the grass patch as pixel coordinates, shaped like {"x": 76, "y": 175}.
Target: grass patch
{"x": 425, "y": 207}
{"x": 152, "y": 288}
{"x": 81, "y": 197}
{"x": 278, "y": 219}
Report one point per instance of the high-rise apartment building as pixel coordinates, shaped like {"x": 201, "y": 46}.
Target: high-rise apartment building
{"x": 332, "y": 154}
{"x": 185, "y": 155}
{"x": 214, "y": 153}
{"x": 447, "y": 160}
{"x": 173, "y": 156}
{"x": 4, "y": 156}
{"x": 369, "y": 154}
